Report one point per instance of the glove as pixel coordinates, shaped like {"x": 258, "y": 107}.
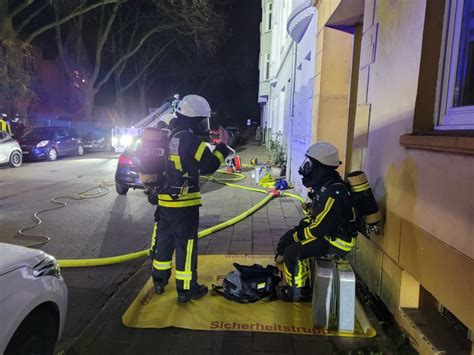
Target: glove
{"x": 285, "y": 241}
{"x": 225, "y": 150}
{"x": 153, "y": 197}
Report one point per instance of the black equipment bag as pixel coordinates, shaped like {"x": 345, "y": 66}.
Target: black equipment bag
{"x": 249, "y": 284}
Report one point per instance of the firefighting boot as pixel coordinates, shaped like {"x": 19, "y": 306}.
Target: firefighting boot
{"x": 159, "y": 286}
{"x": 293, "y": 294}
{"x": 195, "y": 293}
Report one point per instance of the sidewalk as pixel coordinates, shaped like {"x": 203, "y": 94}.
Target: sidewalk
{"x": 257, "y": 234}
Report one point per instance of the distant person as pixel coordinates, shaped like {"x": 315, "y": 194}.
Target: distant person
{"x": 5, "y": 124}
{"x": 258, "y": 135}
{"x": 19, "y": 129}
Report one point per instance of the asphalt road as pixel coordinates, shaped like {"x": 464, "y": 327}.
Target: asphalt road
{"x": 106, "y": 226}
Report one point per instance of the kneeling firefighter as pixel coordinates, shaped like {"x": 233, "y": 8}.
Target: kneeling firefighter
{"x": 179, "y": 199}
{"x": 330, "y": 227}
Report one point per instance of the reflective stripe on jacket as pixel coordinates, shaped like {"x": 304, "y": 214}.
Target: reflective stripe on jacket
{"x": 333, "y": 219}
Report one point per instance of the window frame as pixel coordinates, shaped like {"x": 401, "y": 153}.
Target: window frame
{"x": 266, "y": 66}
{"x": 268, "y": 16}
{"x": 449, "y": 117}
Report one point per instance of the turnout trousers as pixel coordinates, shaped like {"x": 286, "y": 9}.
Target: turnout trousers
{"x": 176, "y": 230}
{"x": 296, "y": 263}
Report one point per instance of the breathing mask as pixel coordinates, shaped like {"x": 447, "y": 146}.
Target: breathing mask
{"x": 306, "y": 168}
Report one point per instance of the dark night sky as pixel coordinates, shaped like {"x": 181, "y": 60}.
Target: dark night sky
{"x": 231, "y": 81}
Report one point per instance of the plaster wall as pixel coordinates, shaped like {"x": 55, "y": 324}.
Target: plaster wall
{"x": 427, "y": 196}
{"x": 282, "y": 52}
{"x": 331, "y": 82}
{"x": 421, "y": 187}
{"x": 301, "y": 110}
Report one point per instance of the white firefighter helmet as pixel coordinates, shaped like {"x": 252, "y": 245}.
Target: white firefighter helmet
{"x": 325, "y": 153}
{"x": 4, "y": 115}
{"x": 194, "y": 106}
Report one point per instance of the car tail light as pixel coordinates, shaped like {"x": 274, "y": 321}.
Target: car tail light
{"x": 125, "y": 161}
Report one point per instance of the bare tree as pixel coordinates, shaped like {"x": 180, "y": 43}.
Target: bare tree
{"x": 198, "y": 27}
{"x": 93, "y": 74}
{"x": 17, "y": 32}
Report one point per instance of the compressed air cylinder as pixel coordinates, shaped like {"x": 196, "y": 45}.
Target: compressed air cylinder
{"x": 153, "y": 155}
{"x": 364, "y": 198}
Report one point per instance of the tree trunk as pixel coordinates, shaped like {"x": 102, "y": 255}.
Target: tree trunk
{"x": 143, "y": 109}
{"x": 88, "y": 107}
{"x": 6, "y": 27}
{"x": 120, "y": 107}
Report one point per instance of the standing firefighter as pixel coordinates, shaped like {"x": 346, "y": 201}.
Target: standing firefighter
{"x": 179, "y": 198}
{"x": 329, "y": 228}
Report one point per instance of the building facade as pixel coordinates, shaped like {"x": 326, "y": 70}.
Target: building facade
{"x": 287, "y": 56}
{"x": 395, "y": 94}
{"x": 392, "y": 86}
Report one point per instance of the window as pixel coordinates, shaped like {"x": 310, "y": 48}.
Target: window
{"x": 456, "y": 109}
{"x": 267, "y": 66}
{"x": 71, "y": 132}
{"x": 268, "y": 21}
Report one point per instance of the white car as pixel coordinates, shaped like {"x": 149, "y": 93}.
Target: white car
{"x": 10, "y": 151}
{"x": 33, "y": 301}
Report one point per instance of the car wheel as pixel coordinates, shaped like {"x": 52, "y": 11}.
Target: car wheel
{"x": 121, "y": 190}
{"x": 52, "y": 154}
{"x": 16, "y": 159}
{"x": 37, "y": 334}
{"x": 80, "y": 150}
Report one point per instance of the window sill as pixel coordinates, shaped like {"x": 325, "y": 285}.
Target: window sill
{"x": 461, "y": 142}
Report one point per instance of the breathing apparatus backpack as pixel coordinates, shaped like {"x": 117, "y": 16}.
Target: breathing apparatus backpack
{"x": 369, "y": 216}
{"x": 248, "y": 284}
{"x": 153, "y": 156}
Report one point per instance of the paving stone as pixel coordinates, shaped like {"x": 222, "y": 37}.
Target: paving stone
{"x": 242, "y": 237}
{"x": 311, "y": 347}
{"x": 199, "y": 339}
{"x": 217, "y": 249}
{"x": 268, "y": 342}
{"x": 240, "y": 250}
{"x": 263, "y": 250}
{"x": 232, "y": 345}
{"x": 101, "y": 346}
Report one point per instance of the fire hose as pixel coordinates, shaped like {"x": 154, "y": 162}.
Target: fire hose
{"x": 104, "y": 188}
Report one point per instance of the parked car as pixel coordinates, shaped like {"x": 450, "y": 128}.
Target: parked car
{"x": 127, "y": 173}
{"x": 10, "y": 150}
{"x": 97, "y": 141}
{"x": 236, "y": 136}
{"x": 33, "y": 301}
{"x": 51, "y": 142}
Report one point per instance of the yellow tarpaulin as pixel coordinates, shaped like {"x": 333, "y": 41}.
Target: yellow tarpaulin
{"x": 214, "y": 312}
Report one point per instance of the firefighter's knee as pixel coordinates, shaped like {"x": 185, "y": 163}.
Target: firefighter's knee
{"x": 292, "y": 252}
